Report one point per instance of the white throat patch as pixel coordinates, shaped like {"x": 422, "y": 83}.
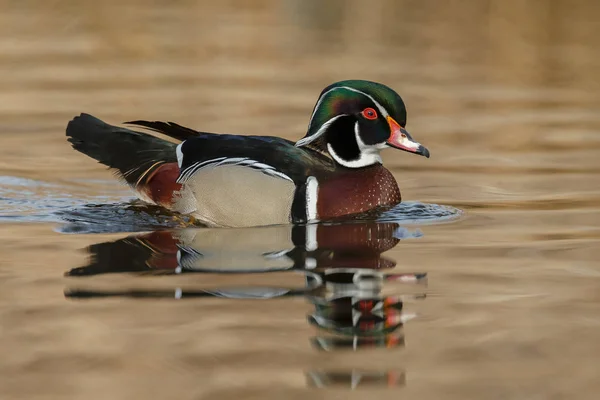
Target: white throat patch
{"x": 369, "y": 154}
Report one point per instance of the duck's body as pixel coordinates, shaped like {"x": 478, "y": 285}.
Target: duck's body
{"x": 235, "y": 180}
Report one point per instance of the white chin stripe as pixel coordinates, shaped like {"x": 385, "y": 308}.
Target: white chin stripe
{"x": 312, "y": 192}
{"x": 319, "y": 133}
{"x": 369, "y": 154}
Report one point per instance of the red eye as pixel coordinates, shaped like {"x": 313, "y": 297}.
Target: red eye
{"x": 369, "y": 113}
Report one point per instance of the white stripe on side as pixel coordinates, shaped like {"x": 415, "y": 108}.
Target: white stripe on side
{"x": 312, "y": 192}
{"x": 187, "y": 173}
{"x": 179, "y": 153}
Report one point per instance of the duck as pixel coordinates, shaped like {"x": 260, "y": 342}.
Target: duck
{"x": 232, "y": 180}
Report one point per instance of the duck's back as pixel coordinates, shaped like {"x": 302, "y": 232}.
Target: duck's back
{"x": 230, "y": 180}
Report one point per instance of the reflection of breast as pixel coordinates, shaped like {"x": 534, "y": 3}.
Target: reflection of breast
{"x": 356, "y": 245}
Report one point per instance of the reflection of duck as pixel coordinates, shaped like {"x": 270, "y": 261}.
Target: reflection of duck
{"x": 344, "y": 270}
{"x": 359, "y": 320}
{"x": 231, "y": 180}
{"x": 277, "y": 248}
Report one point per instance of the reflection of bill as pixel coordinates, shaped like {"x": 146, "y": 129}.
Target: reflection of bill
{"x": 356, "y": 316}
{"x": 364, "y": 320}
{"x": 355, "y": 378}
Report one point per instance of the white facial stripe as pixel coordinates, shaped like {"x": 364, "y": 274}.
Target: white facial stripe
{"x": 318, "y": 133}
{"x": 382, "y": 110}
{"x": 319, "y": 103}
{"x": 324, "y": 127}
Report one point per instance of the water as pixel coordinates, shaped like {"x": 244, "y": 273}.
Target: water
{"x": 483, "y": 284}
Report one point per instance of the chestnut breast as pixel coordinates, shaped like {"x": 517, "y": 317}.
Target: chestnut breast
{"x": 356, "y": 191}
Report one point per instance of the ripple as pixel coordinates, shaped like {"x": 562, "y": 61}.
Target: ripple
{"x": 136, "y": 216}
{"x": 28, "y": 200}
{"x": 133, "y": 216}
{"x": 415, "y": 212}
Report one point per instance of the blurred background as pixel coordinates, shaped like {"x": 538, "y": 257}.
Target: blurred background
{"x": 504, "y": 93}
{"x": 480, "y": 78}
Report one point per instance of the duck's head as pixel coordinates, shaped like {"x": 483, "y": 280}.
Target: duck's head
{"x": 354, "y": 120}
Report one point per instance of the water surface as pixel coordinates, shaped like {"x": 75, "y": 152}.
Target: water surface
{"x": 103, "y": 297}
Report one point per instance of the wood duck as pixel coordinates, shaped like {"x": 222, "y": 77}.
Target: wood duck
{"x": 228, "y": 180}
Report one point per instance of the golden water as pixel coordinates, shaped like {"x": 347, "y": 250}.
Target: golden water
{"x": 505, "y": 94}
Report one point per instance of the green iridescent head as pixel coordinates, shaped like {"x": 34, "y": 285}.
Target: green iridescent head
{"x": 354, "y": 120}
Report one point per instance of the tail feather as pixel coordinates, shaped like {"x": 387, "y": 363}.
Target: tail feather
{"x": 132, "y": 154}
{"x": 170, "y": 129}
